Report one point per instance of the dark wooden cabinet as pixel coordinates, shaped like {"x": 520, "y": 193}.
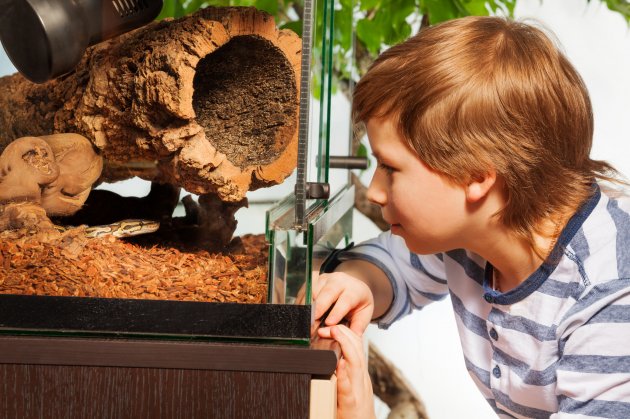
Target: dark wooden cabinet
{"x": 60, "y": 377}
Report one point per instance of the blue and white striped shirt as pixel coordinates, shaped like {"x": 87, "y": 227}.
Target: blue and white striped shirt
{"x": 558, "y": 344}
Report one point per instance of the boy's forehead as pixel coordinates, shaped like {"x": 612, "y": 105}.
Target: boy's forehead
{"x": 378, "y": 128}
{"x": 383, "y": 135}
{"x": 387, "y": 145}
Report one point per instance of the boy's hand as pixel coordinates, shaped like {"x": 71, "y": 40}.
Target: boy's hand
{"x": 352, "y": 300}
{"x": 354, "y": 389}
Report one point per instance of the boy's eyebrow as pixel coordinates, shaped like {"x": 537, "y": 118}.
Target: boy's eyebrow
{"x": 378, "y": 156}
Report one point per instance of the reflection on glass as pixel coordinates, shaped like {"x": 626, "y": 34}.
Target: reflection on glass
{"x": 295, "y": 257}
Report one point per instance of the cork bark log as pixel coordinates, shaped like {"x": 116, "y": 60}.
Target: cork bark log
{"x": 391, "y": 386}
{"x": 207, "y": 102}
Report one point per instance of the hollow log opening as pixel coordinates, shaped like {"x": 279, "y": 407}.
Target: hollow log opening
{"x": 245, "y": 96}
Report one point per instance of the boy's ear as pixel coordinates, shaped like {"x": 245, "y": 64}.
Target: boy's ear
{"x": 479, "y": 186}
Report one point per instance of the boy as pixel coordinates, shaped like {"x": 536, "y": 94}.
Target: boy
{"x": 482, "y": 131}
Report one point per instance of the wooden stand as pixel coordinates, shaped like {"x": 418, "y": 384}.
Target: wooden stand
{"x": 62, "y": 377}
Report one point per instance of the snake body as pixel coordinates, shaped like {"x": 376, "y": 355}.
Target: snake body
{"x": 124, "y": 228}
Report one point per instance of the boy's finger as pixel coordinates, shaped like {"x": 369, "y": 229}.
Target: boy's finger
{"x": 344, "y": 305}
{"x": 324, "y": 300}
{"x": 360, "y": 321}
{"x": 355, "y": 340}
{"x": 347, "y": 349}
{"x": 324, "y": 332}
{"x": 338, "y": 312}
{"x": 351, "y": 345}
{"x": 344, "y": 383}
{"x": 348, "y": 304}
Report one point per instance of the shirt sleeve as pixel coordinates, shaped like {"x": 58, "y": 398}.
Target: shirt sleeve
{"x": 417, "y": 280}
{"x": 593, "y": 371}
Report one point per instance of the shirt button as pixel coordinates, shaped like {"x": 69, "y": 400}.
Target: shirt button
{"x": 493, "y": 334}
{"x": 496, "y": 371}
{"x": 488, "y": 298}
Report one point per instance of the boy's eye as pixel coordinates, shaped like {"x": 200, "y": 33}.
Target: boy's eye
{"x": 388, "y": 169}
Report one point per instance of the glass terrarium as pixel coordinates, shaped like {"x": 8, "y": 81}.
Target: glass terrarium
{"x": 300, "y": 231}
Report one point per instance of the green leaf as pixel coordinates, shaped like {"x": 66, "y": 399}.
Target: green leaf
{"x": 476, "y": 7}
{"x": 172, "y": 8}
{"x": 179, "y": 9}
{"x": 369, "y": 32}
{"x": 362, "y": 152}
{"x": 395, "y": 21}
{"x": 295, "y": 26}
{"x": 193, "y": 6}
{"x": 441, "y": 10}
{"x": 343, "y": 28}
{"x": 404, "y": 8}
{"x": 269, "y": 6}
{"x": 619, "y": 6}
{"x": 346, "y": 4}
{"x": 168, "y": 9}
{"x": 316, "y": 85}
{"x": 366, "y": 5}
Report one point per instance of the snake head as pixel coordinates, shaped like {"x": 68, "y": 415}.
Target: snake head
{"x": 26, "y": 166}
{"x": 79, "y": 167}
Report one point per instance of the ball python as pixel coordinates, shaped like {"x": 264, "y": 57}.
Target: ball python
{"x": 124, "y": 228}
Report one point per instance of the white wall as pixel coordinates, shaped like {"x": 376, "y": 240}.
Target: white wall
{"x": 5, "y": 64}
{"x": 597, "y": 41}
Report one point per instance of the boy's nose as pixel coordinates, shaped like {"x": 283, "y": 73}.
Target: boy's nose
{"x": 375, "y": 193}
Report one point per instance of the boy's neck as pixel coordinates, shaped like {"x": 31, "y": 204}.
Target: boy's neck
{"x": 512, "y": 257}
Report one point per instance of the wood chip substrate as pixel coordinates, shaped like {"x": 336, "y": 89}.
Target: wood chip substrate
{"x": 115, "y": 268}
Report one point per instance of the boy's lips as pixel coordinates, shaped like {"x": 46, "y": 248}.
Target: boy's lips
{"x": 390, "y": 222}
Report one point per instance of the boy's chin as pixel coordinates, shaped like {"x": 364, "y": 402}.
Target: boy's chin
{"x": 420, "y": 248}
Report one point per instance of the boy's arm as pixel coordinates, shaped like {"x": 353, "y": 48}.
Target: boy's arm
{"x": 378, "y": 279}
{"x": 593, "y": 372}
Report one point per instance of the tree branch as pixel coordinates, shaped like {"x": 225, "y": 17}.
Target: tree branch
{"x": 392, "y": 388}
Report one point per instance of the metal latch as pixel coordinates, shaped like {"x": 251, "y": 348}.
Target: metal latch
{"x": 317, "y": 190}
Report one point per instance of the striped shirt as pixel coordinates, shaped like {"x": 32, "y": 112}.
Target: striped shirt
{"x": 558, "y": 345}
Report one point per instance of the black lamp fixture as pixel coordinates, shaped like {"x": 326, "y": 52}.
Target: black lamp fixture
{"x": 45, "y": 39}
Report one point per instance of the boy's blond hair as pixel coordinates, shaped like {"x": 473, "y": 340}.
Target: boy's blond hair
{"x": 478, "y": 93}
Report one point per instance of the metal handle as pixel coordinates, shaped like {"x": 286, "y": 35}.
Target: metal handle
{"x": 347, "y": 162}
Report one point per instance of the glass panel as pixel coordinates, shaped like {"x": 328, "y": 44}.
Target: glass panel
{"x": 297, "y": 256}
{"x": 325, "y": 26}
{"x": 339, "y": 235}
{"x": 338, "y": 70}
